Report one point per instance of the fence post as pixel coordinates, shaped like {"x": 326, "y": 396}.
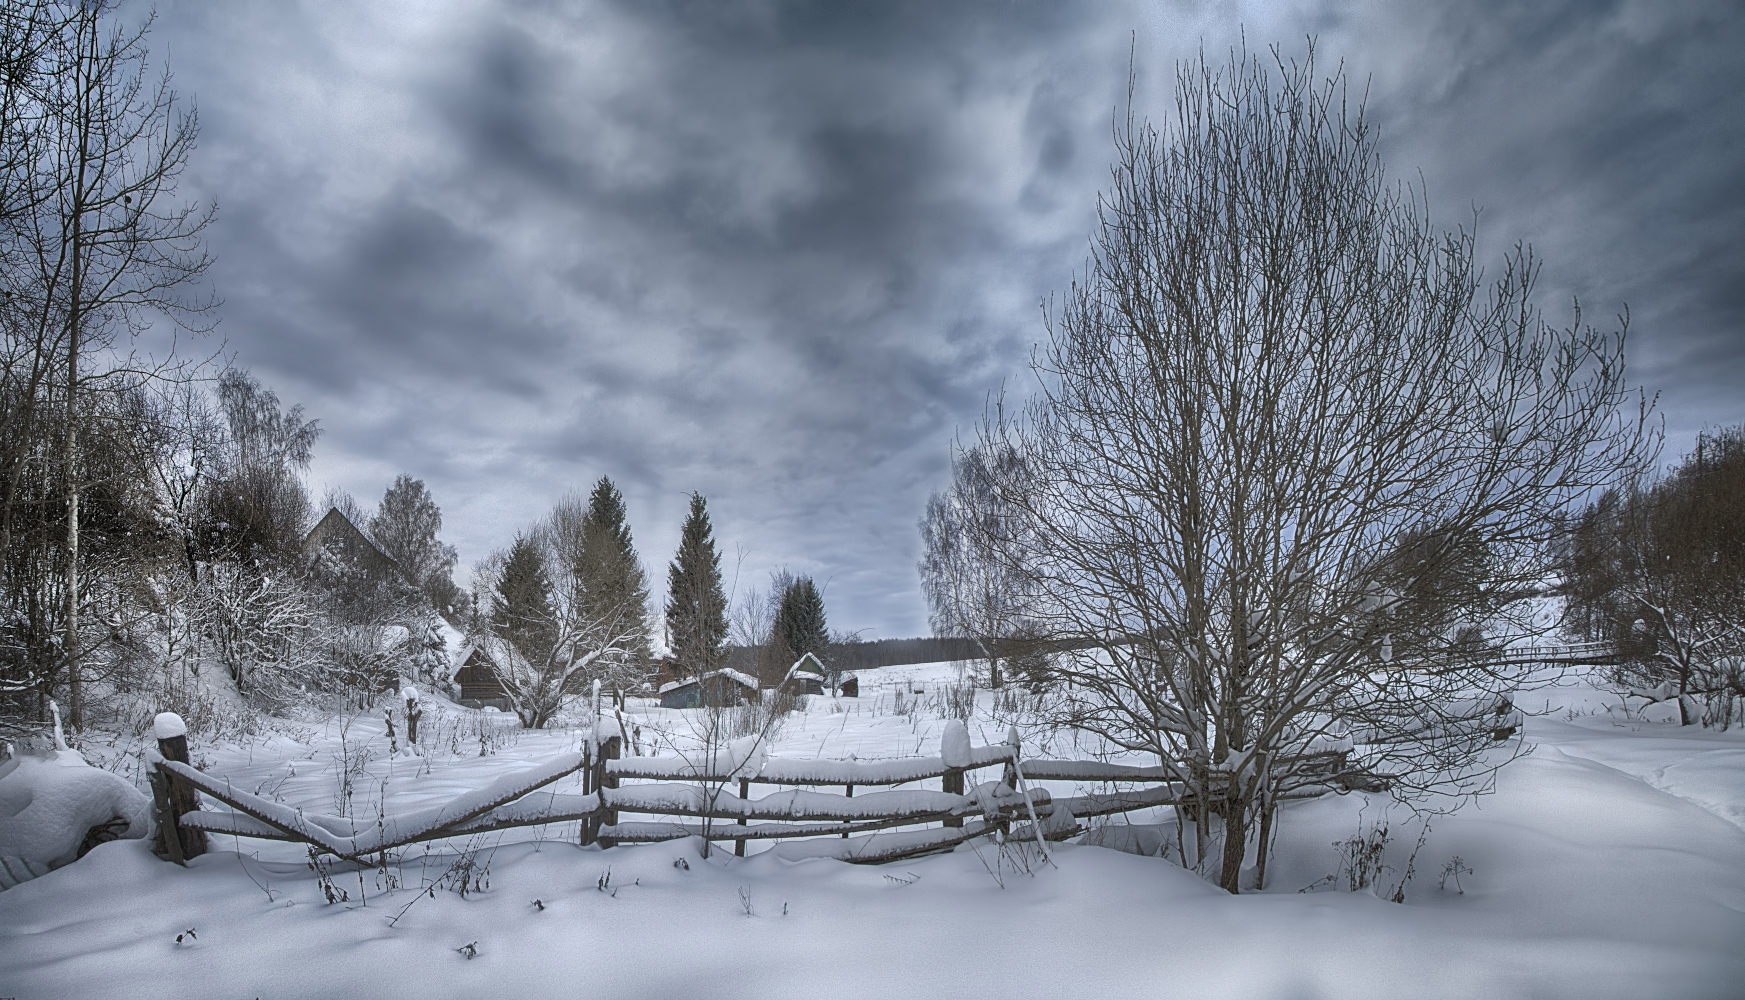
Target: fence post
{"x": 954, "y": 753}
{"x": 591, "y": 825}
{"x": 610, "y": 748}
{"x": 952, "y": 782}
{"x": 167, "y": 826}
{"x": 848, "y": 794}
{"x": 177, "y": 798}
{"x": 744, "y": 793}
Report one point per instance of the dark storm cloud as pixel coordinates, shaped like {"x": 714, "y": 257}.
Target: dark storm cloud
{"x": 779, "y": 252}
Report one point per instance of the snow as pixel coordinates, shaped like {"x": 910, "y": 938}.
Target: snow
{"x": 168, "y": 725}
{"x": 48, "y": 804}
{"x": 954, "y": 748}
{"x": 1605, "y": 865}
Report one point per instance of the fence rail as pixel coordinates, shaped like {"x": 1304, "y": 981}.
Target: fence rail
{"x": 707, "y": 797}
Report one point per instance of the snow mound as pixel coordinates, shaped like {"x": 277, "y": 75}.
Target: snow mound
{"x": 49, "y": 806}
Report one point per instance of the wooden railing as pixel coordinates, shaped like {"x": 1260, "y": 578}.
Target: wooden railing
{"x": 706, "y": 796}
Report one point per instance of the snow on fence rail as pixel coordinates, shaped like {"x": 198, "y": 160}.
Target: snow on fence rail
{"x": 697, "y": 797}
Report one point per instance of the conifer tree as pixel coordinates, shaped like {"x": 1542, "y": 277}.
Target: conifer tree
{"x": 800, "y": 619}
{"x": 610, "y": 576}
{"x": 521, "y": 611}
{"x": 696, "y": 611}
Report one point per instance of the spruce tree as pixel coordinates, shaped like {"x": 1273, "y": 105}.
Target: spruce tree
{"x": 610, "y": 576}
{"x": 521, "y": 611}
{"x": 800, "y": 619}
{"x": 696, "y": 611}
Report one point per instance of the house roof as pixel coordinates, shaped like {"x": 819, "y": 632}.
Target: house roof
{"x": 733, "y": 675}
{"x": 335, "y": 524}
{"x": 496, "y": 650}
{"x": 806, "y": 664}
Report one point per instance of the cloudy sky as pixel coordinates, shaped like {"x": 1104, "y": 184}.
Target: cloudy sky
{"x": 780, "y": 253}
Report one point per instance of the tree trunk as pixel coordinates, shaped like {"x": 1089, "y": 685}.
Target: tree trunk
{"x": 75, "y": 687}
{"x": 1235, "y": 842}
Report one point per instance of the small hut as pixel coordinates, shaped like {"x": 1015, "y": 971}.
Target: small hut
{"x": 477, "y": 676}
{"x": 850, "y": 687}
{"x": 715, "y": 689}
{"x": 806, "y": 676}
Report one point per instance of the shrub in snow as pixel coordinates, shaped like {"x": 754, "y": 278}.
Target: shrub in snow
{"x": 55, "y": 808}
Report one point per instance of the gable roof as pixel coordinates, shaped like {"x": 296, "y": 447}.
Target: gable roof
{"x": 745, "y": 680}
{"x": 336, "y": 526}
{"x": 806, "y": 664}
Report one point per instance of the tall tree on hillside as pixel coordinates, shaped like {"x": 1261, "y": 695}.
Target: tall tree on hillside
{"x": 800, "y": 621}
{"x": 405, "y": 526}
{"x": 255, "y": 508}
{"x": 696, "y": 610}
{"x": 521, "y": 606}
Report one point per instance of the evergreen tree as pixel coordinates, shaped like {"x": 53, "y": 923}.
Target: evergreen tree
{"x": 522, "y": 611}
{"x": 800, "y": 619}
{"x": 696, "y": 611}
{"x": 610, "y": 576}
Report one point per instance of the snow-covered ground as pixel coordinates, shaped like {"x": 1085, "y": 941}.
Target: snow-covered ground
{"x": 1610, "y": 862}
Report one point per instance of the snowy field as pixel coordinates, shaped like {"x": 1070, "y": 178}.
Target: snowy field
{"x": 1610, "y": 862}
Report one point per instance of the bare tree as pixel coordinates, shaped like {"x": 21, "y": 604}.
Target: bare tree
{"x": 544, "y": 648}
{"x": 972, "y": 540}
{"x": 105, "y": 247}
{"x": 1277, "y": 401}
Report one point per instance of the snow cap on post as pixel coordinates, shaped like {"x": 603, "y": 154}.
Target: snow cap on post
{"x": 410, "y": 693}
{"x": 168, "y": 725}
{"x": 954, "y": 744}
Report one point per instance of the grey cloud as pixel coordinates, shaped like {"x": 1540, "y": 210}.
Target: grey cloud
{"x": 779, "y": 252}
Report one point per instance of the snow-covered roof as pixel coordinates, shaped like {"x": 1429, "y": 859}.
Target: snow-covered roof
{"x": 806, "y": 664}
{"x": 727, "y": 672}
{"x": 494, "y": 649}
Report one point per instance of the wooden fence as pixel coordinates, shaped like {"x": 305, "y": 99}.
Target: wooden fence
{"x": 708, "y": 797}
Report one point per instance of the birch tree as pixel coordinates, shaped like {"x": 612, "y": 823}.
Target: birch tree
{"x": 106, "y": 246}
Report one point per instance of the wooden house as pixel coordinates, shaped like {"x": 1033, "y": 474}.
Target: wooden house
{"x": 715, "y": 689}
{"x": 476, "y": 676}
{"x": 335, "y": 531}
{"x": 806, "y": 676}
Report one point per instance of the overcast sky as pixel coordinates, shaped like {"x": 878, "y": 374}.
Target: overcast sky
{"x": 781, "y": 253}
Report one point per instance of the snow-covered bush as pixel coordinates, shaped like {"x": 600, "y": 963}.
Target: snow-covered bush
{"x": 56, "y": 807}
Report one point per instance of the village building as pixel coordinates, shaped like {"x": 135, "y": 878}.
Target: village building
{"x": 806, "y": 676}
{"x": 476, "y": 678}
{"x": 715, "y": 689}
{"x": 336, "y": 532}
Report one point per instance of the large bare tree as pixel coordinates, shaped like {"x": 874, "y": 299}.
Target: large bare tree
{"x": 1292, "y": 462}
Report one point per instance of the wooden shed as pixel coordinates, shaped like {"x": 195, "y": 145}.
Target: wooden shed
{"x": 477, "y": 676}
{"x": 714, "y": 689}
{"x": 806, "y": 676}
